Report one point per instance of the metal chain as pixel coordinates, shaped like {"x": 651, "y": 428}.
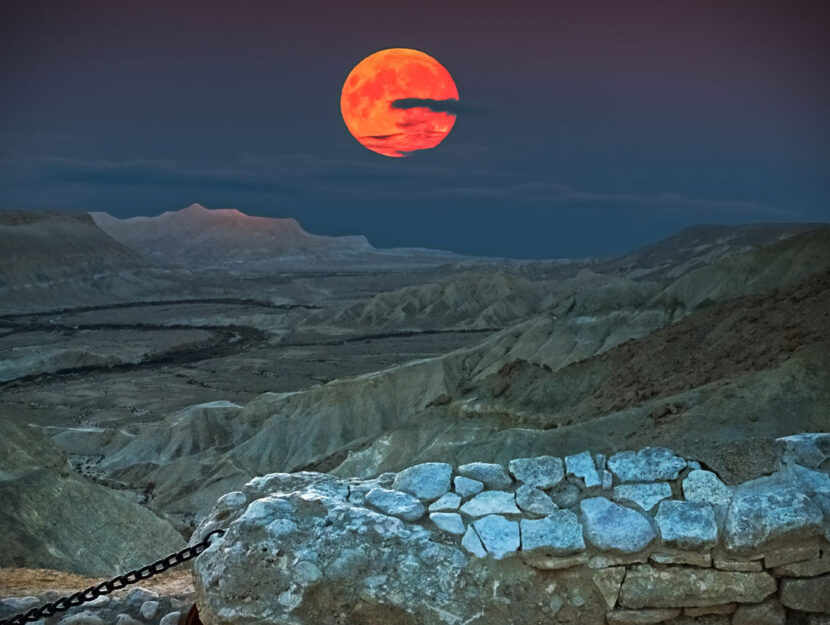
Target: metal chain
{"x": 116, "y": 583}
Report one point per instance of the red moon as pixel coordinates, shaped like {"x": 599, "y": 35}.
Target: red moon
{"x": 389, "y": 75}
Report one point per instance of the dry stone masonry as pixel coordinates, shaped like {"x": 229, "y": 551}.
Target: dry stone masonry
{"x": 639, "y": 537}
{"x": 136, "y": 606}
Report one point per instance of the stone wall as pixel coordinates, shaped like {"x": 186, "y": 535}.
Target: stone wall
{"x": 639, "y": 537}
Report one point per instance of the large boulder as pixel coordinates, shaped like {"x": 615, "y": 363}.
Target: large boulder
{"x": 303, "y": 551}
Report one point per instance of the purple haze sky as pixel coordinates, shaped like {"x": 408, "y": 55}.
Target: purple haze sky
{"x": 594, "y": 127}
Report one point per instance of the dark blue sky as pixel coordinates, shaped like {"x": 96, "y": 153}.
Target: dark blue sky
{"x": 597, "y": 126}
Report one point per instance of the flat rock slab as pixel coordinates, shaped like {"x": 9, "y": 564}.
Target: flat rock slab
{"x": 426, "y": 481}
{"x": 541, "y": 472}
{"x": 807, "y": 568}
{"x": 534, "y": 501}
{"x": 582, "y": 466}
{"x": 769, "y": 612}
{"x": 641, "y": 617}
{"x": 499, "y": 536}
{"x": 706, "y": 487}
{"x": 692, "y": 558}
{"x": 491, "y": 502}
{"x": 651, "y": 464}
{"x": 687, "y": 525}
{"x": 472, "y": 543}
{"x": 560, "y": 533}
{"x": 396, "y": 503}
{"x": 491, "y": 475}
{"x": 467, "y": 486}
{"x": 680, "y": 587}
{"x": 609, "y": 526}
{"x": 809, "y": 594}
{"x": 608, "y": 582}
{"x": 644, "y": 496}
{"x": 449, "y": 522}
{"x": 777, "y": 512}
{"x": 448, "y": 502}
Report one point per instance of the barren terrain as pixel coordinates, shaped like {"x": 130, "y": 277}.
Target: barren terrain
{"x": 153, "y": 389}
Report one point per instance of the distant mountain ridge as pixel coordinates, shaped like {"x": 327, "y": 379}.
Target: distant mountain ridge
{"x": 199, "y": 237}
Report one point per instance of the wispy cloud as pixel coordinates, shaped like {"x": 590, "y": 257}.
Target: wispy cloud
{"x": 160, "y": 173}
{"x": 288, "y": 176}
{"x": 562, "y": 195}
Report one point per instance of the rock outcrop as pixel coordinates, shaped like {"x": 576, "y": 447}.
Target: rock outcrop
{"x": 414, "y": 548}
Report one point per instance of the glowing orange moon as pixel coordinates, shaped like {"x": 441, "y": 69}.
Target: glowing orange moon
{"x": 395, "y": 74}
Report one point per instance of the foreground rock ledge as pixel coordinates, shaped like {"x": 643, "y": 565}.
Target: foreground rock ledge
{"x": 312, "y": 549}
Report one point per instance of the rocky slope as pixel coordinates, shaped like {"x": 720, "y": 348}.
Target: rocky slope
{"x": 697, "y": 246}
{"x": 474, "y": 300}
{"x": 40, "y": 249}
{"x": 637, "y": 537}
{"x": 43, "y": 525}
{"x": 616, "y": 363}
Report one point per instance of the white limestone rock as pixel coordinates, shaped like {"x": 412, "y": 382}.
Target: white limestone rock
{"x": 611, "y": 527}
{"x": 447, "y": 503}
{"x": 687, "y": 525}
{"x": 759, "y": 516}
{"x": 427, "y": 481}
{"x": 651, "y": 464}
{"x": 335, "y": 549}
{"x": 582, "y": 466}
{"x": 499, "y": 536}
{"x": 467, "y": 487}
{"x": 706, "y": 487}
{"x": 139, "y": 595}
{"x": 472, "y": 543}
{"x": 491, "y": 502}
{"x": 449, "y": 522}
{"x": 644, "y": 496}
{"x": 541, "y": 472}
{"x": 148, "y": 609}
{"x": 492, "y": 475}
{"x": 396, "y": 503}
{"x": 172, "y": 618}
{"x": 534, "y": 501}
{"x": 559, "y": 533}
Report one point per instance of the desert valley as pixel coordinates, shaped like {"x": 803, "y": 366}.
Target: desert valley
{"x": 149, "y": 366}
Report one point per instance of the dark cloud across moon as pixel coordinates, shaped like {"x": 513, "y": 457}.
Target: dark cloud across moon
{"x": 453, "y": 107}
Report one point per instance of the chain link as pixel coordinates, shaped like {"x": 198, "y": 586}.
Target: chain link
{"x": 116, "y": 583}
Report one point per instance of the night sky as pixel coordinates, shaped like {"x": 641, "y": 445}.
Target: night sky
{"x": 585, "y": 127}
